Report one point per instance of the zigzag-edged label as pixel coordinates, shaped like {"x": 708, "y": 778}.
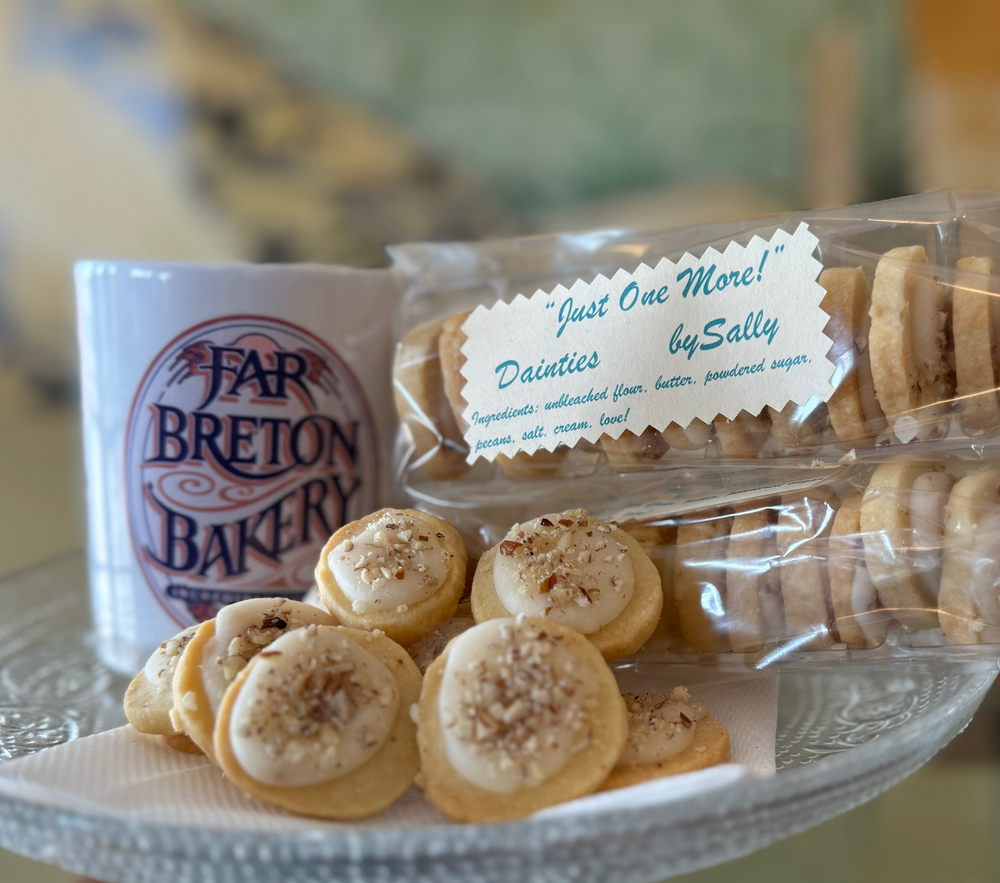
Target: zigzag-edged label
{"x": 713, "y": 335}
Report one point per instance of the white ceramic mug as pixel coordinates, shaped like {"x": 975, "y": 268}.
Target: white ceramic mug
{"x": 233, "y": 417}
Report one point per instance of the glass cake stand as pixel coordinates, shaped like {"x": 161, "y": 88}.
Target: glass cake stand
{"x": 844, "y": 736}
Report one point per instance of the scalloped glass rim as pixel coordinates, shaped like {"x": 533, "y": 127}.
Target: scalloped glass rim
{"x": 642, "y": 843}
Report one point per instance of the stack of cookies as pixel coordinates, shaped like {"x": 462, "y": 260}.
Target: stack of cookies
{"x": 497, "y": 704}
{"x": 914, "y": 362}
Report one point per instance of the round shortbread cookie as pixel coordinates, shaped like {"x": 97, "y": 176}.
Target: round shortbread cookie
{"x": 846, "y": 301}
{"x": 631, "y": 452}
{"x": 749, "y": 576}
{"x": 976, "y": 331}
{"x": 804, "y": 522}
{"x": 969, "y": 609}
{"x": 581, "y": 773}
{"x": 149, "y": 698}
{"x": 360, "y": 792}
{"x": 424, "y": 410}
{"x": 886, "y": 532}
{"x": 910, "y": 315}
{"x": 404, "y": 623}
{"x": 212, "y": 660}
{"x": 432, "y": 645}
{"x": 857, "y": 617}
{"x": 708, "y": 746}
{"x": 624, "y": 634}
{"x": 699, "y": 582}
{"x": 741, "y": 438}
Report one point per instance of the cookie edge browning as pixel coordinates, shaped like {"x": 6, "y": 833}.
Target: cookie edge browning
{"x": 137, "y": 709}
{"x": 462, "y": 801}
{"x": 614, "y": 640}
{"x": 419, "y": 619}
{"x": 743, "y": 614}
{"x": 709, "y": 734}
{"x": 358, "y": 794}
{"x": 893, "y": 368}
{"x": 885, "y": 528}
{"x": 199, "y": 721}
{"x": 847, "y": 294}
{"x": 841, "y": 565}
{"x": 956, "y": 607}
{"x": 972, "y": 328}
{"x": 422, "y": 406}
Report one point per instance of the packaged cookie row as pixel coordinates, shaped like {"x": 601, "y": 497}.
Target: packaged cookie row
{"x": 497, "y": 699}
{"x": 905, "y": 555}
{"x": 909, "y": 296}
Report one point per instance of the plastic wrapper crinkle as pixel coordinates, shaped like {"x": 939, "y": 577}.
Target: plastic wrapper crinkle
{"x": 911, "y": 326}
{"x": 850, "y": 511}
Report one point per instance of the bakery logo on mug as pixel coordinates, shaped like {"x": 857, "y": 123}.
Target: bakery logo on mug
{"x": 249, "y": 443}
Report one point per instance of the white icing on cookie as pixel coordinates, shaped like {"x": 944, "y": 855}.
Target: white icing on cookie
{"x": 927, "y": 500}
{"x": 159, "y": 668}
{"x": 659, "y": 727}
{"x": 315, "y": 706}
{"x": 514, "y": 705}
{"x": 985, "y": 569}
{"x": 567, "y": 567}
{"x": 245, "y": 628}
{"x": 396, "y": 561}
{"x": 864, "y": 599}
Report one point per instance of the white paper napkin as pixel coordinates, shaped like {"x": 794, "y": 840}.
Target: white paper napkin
{"x": 126, "y": 774}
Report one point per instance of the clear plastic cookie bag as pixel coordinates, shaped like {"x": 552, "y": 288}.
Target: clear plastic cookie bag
{"x": 893, "y": 561}
{"x": 909, "y": 298}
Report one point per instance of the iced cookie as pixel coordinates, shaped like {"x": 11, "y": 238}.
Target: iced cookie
{"x": 804, "y": 523}
{"x": 976, "y": 324}
{"x": 424, "y": 409}
{"x": 911, "y": 322}
{"x": 149, "y": 699}
{"x": 220, "y": 649}
{"x": 700, "y": 581}
{"x": 633, "y": 452}
{"x": 517, "y": 715}
{"x": 398, "y": 570}
{"x": 319, "y": 723}
{"x": 432, "y": 645}
{"x": 905, "y": 580}
{"x": 754, "y": 605}
{"x": 858, "y": 618}
{"x": 577, "y": 571}
{"x": 741, "y": 438}
{"x": 853, "y": 409}
{"x": 969, "y": 609}
{"x": 667, "y": 735}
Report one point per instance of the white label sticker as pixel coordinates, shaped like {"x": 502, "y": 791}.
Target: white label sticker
{"x": 723, "y": 333}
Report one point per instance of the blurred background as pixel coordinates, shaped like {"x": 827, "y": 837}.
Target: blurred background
{"x": 319, "y": 130}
